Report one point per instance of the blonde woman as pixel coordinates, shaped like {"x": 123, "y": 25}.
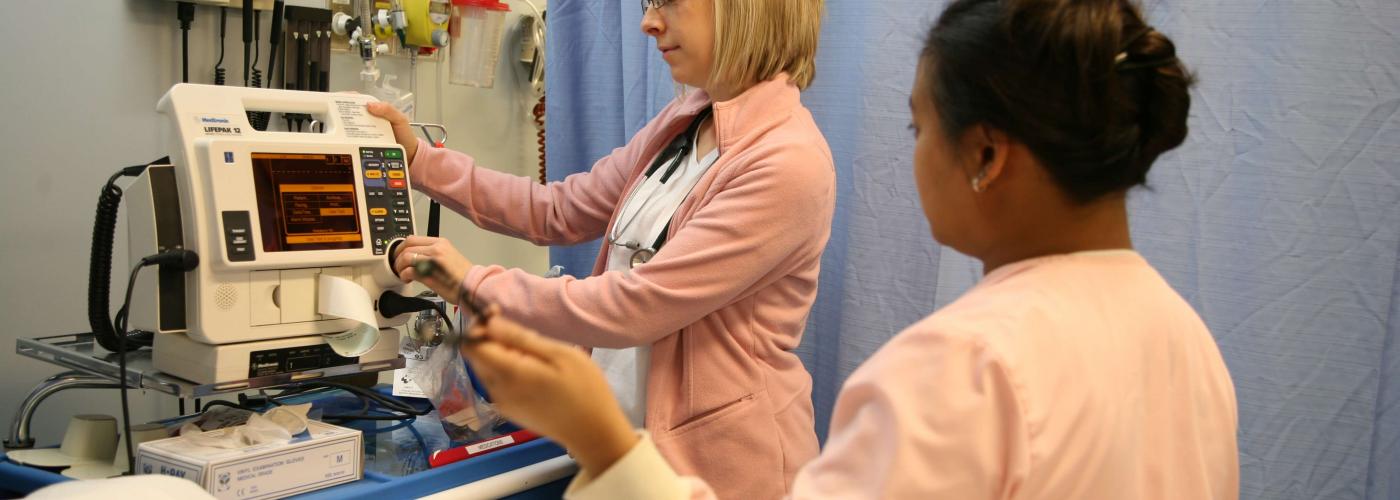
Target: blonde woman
{"x": 714, "y": 217}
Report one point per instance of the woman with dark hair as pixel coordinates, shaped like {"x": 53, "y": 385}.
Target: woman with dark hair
{"x": 1071, "y": 371}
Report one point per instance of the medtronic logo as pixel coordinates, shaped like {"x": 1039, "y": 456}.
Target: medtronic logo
{"x": 208, "y": 119}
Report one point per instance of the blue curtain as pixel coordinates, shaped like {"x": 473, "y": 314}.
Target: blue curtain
{"x": 1279, "y": 219}
{"x": 604, "y": 83}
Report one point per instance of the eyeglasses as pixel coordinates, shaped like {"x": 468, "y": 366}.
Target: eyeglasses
{"x": 654, "y": 4}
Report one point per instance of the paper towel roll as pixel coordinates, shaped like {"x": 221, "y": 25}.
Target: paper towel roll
{"x": 342, "y": 298}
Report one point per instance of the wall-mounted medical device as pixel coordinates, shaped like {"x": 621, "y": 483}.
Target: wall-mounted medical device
{"x": 273, "y": 216}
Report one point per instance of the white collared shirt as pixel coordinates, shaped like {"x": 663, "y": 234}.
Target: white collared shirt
{"x": 644, "y": 215}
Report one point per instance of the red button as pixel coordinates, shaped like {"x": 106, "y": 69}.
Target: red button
{"x": 398, "y": 184}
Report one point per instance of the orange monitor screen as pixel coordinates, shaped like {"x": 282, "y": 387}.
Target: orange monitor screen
{"x": 306, "y": 202}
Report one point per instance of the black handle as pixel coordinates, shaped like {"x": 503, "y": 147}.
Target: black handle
{"x": 247, "y": 21}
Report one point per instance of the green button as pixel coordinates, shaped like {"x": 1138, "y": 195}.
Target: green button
{"x": 393, "y": 153}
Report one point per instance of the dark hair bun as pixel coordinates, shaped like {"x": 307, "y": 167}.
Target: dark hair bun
{"x": 1095, "y": 93}
{"x": 1159, "y": 85}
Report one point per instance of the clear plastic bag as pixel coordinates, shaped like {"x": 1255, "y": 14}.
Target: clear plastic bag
{"x": 465, "y": 415}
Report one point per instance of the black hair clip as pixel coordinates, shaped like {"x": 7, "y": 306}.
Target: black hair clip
{"x": 1121, "y": 62}
{"x": 1150, "y": 63}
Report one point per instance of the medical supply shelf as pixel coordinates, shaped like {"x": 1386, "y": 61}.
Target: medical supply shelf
{"x": 547, "y": 469}
{"x": 80, "y": 352}
{"x": 396, "y": 461}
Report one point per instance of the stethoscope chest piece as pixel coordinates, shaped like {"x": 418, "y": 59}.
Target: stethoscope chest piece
{"x": 641, "y": 256}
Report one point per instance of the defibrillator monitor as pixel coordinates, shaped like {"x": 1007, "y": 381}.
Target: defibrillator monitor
{"x": 292, "y": 230}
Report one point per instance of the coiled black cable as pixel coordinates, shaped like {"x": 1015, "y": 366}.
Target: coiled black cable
{"x": 257, "y": 51}
{"x": 538, "y": 114}
{"x": 258, "y": 119}
{"x": 220, "y": 74}
{"x": 104, "y": 230}
{"x": 100, "y": 264}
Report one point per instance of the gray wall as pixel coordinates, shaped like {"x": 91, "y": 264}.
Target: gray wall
{"x": 83, "y": 106}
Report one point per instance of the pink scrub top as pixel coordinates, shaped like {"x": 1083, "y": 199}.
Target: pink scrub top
{"x": 1071, "y": 376}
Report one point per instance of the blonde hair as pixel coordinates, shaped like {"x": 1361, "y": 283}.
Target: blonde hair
{"x": 757, "y": 39}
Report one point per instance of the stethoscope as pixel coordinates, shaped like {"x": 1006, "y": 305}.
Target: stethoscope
{"x": 676, "y": 152}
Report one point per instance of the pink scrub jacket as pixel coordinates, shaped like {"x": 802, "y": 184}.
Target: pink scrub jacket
{"x": 722, "y": 304}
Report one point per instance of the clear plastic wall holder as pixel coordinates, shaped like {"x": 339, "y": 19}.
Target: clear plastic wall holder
{"x": 475, "y": 48}
{"x": 382, "y": 88}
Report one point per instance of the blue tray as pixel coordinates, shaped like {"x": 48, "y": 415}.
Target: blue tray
{"x": 395, "y": 461}
{"x": 19, "y": 480}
